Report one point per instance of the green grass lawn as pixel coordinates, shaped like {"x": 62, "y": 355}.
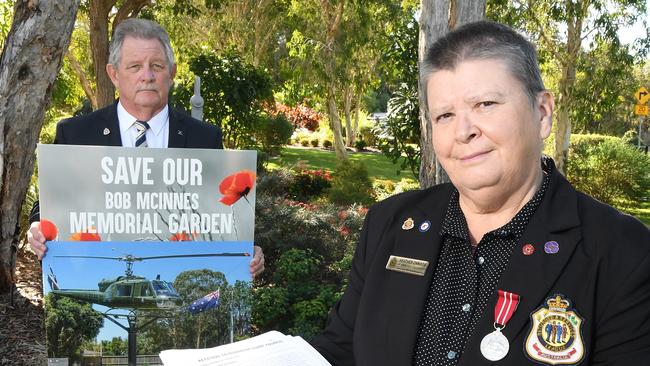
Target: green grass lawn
{"x": 379, "y": 166}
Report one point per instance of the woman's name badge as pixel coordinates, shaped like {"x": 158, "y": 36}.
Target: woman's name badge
{"x": 407, "y": 265}
{"x": 495, "y": 346}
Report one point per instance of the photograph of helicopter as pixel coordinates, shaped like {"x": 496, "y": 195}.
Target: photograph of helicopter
{"x": 125, "y": 277}
{"x": 130, "y": 291}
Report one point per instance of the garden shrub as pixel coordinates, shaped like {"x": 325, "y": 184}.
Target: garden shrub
{"x": 360, "y": 145}
{"x": 577, "y": 140}
{"x": 301, "y": 134}
{"x": 262, "y": 158}
{"x": 272, "y": 132}
{"x": 630, "y": 137}
{"x": 314, "y": 142}
{"x": 300, "y": 116}
{"x": 327, "y": 144}
{"x": 407, "y": 184}
{"x": 589, "y": 140}
{"x": 304, "y": 142}
{"x": 385, "y": 188}
{"x": 608, "y": 169}
{"x": 310, "y": 315}
{"x": 308, "y": 184}
{"x": 351, "y": 184}
{"x": 308, "y": 250}
{"x": 367, "y": 134}
{"x": 275, "y": 183}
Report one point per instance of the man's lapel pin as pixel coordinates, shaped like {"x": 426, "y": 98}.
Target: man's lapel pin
{"x": 180, "y": 132}
{"x": 106, "y": 131}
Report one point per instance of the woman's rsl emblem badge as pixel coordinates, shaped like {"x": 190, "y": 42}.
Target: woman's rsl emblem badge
{"x": 555, "y": 337}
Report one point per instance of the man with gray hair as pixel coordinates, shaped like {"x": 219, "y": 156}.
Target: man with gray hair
{"x": 507, "y": 265}
{"x": 142, "y": 68}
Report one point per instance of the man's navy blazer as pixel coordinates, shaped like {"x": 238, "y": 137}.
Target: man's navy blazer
{"x": 102, "y": 128}
{"x": 603, "y": 267}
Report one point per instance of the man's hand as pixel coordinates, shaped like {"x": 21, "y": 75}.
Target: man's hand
{"x": 36, "y": 240}
{"x": 257, "y": 264}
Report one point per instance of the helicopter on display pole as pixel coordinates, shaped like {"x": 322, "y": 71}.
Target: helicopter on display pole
{"x": 129, "y": 291}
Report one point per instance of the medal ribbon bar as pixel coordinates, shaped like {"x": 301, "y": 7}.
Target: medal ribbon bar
{"x": 505, "y": 307}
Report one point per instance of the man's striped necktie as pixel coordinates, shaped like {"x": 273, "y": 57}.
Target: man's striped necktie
{"x": 141, "y": 138}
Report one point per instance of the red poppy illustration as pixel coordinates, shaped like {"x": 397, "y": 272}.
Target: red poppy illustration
{"x": 49, "y": 230}
{"x": 236, "y": 186}
{"x": 182, "y": 237}
{"x": 85, "y": 237}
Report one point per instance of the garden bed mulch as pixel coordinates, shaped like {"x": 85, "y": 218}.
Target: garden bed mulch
{"x": 22, "y": 338}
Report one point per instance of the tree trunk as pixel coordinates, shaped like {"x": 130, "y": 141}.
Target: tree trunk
{"x": 30, "y": 61}
{"x": 563, "y": 128}
{"x": 436, "y": 19}
{"x": 347, "y": 110}
{"x": 357, "y": 107}
{"x": 332, "y": 19}
{"x": 335, "y": 122}
{"x": 98, "y": 16}
{"x": 562, "y": 134}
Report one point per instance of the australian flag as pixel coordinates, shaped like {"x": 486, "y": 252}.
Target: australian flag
{"x": 207, "y": 302}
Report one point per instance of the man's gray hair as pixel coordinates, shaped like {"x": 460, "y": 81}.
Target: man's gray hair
{"x": 484, "y": 40}
{"x": 140, "y": 29}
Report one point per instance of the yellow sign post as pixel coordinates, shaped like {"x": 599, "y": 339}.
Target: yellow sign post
{"x": 642, "y": 96}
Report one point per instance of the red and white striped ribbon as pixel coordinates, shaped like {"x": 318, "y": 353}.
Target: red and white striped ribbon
{"x": 505, "y": 307}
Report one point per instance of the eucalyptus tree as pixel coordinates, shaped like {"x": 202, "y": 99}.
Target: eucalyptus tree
{"x": 30, "y": 60}
{"x": 561, "y": 30}
{"x": 332, "y": 44}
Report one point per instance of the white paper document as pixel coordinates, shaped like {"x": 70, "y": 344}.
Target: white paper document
{"x": 268, "y": 349}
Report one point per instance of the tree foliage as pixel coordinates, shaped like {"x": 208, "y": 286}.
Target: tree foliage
{"x": 561, "y": 31}
{"x": 209, "y": 328}
{"x": 115, "y": 347}
{"x": 6, "y": 14}
{"x": 334, "y": 44}
{"x": 68, "y": 324}
{"x": 604, "y": 87}
{"x": 235, "y": 93}
{"x": 400, "y": 133}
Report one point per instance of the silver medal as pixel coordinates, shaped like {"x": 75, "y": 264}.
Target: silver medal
{"x": 495, "y": 346}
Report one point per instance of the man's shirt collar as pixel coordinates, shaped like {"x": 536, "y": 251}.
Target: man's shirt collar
{"x": 157, "y": 123}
